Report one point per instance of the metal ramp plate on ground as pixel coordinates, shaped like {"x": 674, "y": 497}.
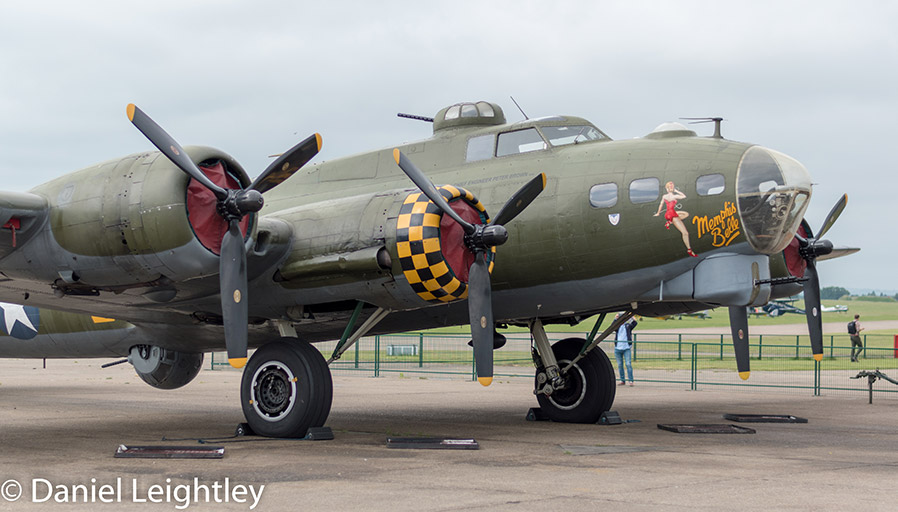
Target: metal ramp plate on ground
{"x": 764, "y": 418}
{"x": 710, "y": 428}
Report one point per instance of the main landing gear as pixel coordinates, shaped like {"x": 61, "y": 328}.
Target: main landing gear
{"x": 574, "y": 382}
{"x": 286, "y": 389}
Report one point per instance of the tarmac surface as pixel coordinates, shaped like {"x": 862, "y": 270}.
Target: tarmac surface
{"x": 60, "y": 426}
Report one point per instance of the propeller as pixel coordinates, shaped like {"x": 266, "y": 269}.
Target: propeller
{"x": 232, "y": 205}
{"x": 739, "y": 328}
{"x": 478, "y": 239}
{"x": 811, "y": 247}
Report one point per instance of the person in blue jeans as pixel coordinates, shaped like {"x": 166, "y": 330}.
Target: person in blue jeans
{"x": 622, "y": 348}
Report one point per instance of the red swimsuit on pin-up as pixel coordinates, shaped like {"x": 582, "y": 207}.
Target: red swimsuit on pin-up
{"x": 671, "y": 212}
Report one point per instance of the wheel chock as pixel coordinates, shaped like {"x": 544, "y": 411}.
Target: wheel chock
{"x": 610, "y": 418}
{"x": 537, "y": 414}
{"x": 314, "y": 433}
{"x": 319, "y": 434}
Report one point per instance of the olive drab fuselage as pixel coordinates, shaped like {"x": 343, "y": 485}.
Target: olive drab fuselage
{"x": 611, "y": 230}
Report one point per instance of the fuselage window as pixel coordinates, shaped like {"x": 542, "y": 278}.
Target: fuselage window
{"x": 520, "y": 141}
{"x": 710, "y": 184}
{"x": 603, "y": 195}
{"x": 480, "y": 148}
{"x": 564, "y": 135}
{"x": 644, "y": 190}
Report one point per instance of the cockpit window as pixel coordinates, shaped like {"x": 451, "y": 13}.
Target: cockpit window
{"x": 520, "y": 141}
{"x": 486, "y": 110}
{"x": 453, "y": 112}
{"x": 564, "y": 135}
{"x": 480, "y": 148}
{"x": 710, "y": 184}
{"x": 468, "y": 110}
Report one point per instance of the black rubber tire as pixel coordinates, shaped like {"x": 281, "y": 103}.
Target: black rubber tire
{"x": 591, "y": 385}
{"x": 285, "y": 389}
{"x": 323, "y": 376}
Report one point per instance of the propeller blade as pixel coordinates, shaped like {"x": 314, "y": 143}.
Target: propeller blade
{"x": 429, "y": 190}
{"x": 288, "y": 163}
{"x": 499, "y": 340}
{"x": 838, "y": 252}
{"x": 520, "y": 200}
{"x": 171, "y": 149}
{"x": 232, "y": 281}
{"x": 480, "y": 313}
{"x": 739, "y": 328}
{"x": 812, "y": 310}
{"x": 833, "y": 215}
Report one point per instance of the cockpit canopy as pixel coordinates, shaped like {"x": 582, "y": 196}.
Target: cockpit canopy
{"x": 477, "y": 114}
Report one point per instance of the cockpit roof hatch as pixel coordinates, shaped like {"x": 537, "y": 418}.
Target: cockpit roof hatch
{"x": 461, "y": 115}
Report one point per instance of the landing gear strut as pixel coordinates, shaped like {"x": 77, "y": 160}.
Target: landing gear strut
{"x": 572, "y": 387}
{"x": 588, "y": 386}
{"x": 286, "y": 388}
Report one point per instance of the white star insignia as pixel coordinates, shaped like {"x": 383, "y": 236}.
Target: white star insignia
{"x": 13, "y": 313}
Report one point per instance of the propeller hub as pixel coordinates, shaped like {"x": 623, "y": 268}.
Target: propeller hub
{"x": 249, "y": 201}
{"x": 240, "y": 203}
{"x": 815, "y": 248}
{"x": 486, "y": 236}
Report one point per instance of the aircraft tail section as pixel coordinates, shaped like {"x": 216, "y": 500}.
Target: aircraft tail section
{"x": 28, "y": 332}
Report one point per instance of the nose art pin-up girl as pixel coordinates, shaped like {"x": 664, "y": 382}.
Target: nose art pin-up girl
{"x": 674, "y": 216}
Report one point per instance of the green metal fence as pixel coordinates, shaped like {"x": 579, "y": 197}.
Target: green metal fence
{"x": 780, "y": 363}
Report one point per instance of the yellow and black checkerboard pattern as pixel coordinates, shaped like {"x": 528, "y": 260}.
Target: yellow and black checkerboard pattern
{"x": 418, "y": 245}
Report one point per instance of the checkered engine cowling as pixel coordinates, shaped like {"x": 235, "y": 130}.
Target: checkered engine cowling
{"x": 431, "y": 248}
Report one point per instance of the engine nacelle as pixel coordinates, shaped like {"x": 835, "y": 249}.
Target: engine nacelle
{"x": 131, "y": 221}
{"x": 163, "y": 368}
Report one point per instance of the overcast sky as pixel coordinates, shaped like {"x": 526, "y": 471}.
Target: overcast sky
{"x": 816, "y": 80}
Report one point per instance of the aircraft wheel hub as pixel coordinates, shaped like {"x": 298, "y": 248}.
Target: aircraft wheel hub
{"x": 273, "y": 391}
{"x": 572, "y": 393}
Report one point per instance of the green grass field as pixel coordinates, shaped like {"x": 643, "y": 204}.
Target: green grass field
{"x": 445, "y": 350}
{"x": 869, "y": 311}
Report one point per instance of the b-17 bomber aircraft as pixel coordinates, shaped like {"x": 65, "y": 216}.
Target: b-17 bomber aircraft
{"x": 542, "y": 221}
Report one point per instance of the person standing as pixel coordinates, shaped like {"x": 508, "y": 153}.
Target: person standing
{"x": 854, "y": 329}
{"x": 622, "y": 349}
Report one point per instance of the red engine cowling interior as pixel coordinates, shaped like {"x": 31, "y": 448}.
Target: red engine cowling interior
{"x": 795, "y": 263}
{"x": 202, "y": 210}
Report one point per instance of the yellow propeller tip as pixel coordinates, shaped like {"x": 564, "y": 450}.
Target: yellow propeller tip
{"x": 544, "y": 179}
{"x": 744, "y": 375}
{"x": 130, "y": 111}
{"x": 818, "y": 357}
{"x": 396, "y": 155}
{"x": 485, "y": 381}
{"x": 318, "y": 140}
{"x": 237, "y": 362}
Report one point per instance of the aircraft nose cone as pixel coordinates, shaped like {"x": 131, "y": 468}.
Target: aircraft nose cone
{"x": 772, "y": 192}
